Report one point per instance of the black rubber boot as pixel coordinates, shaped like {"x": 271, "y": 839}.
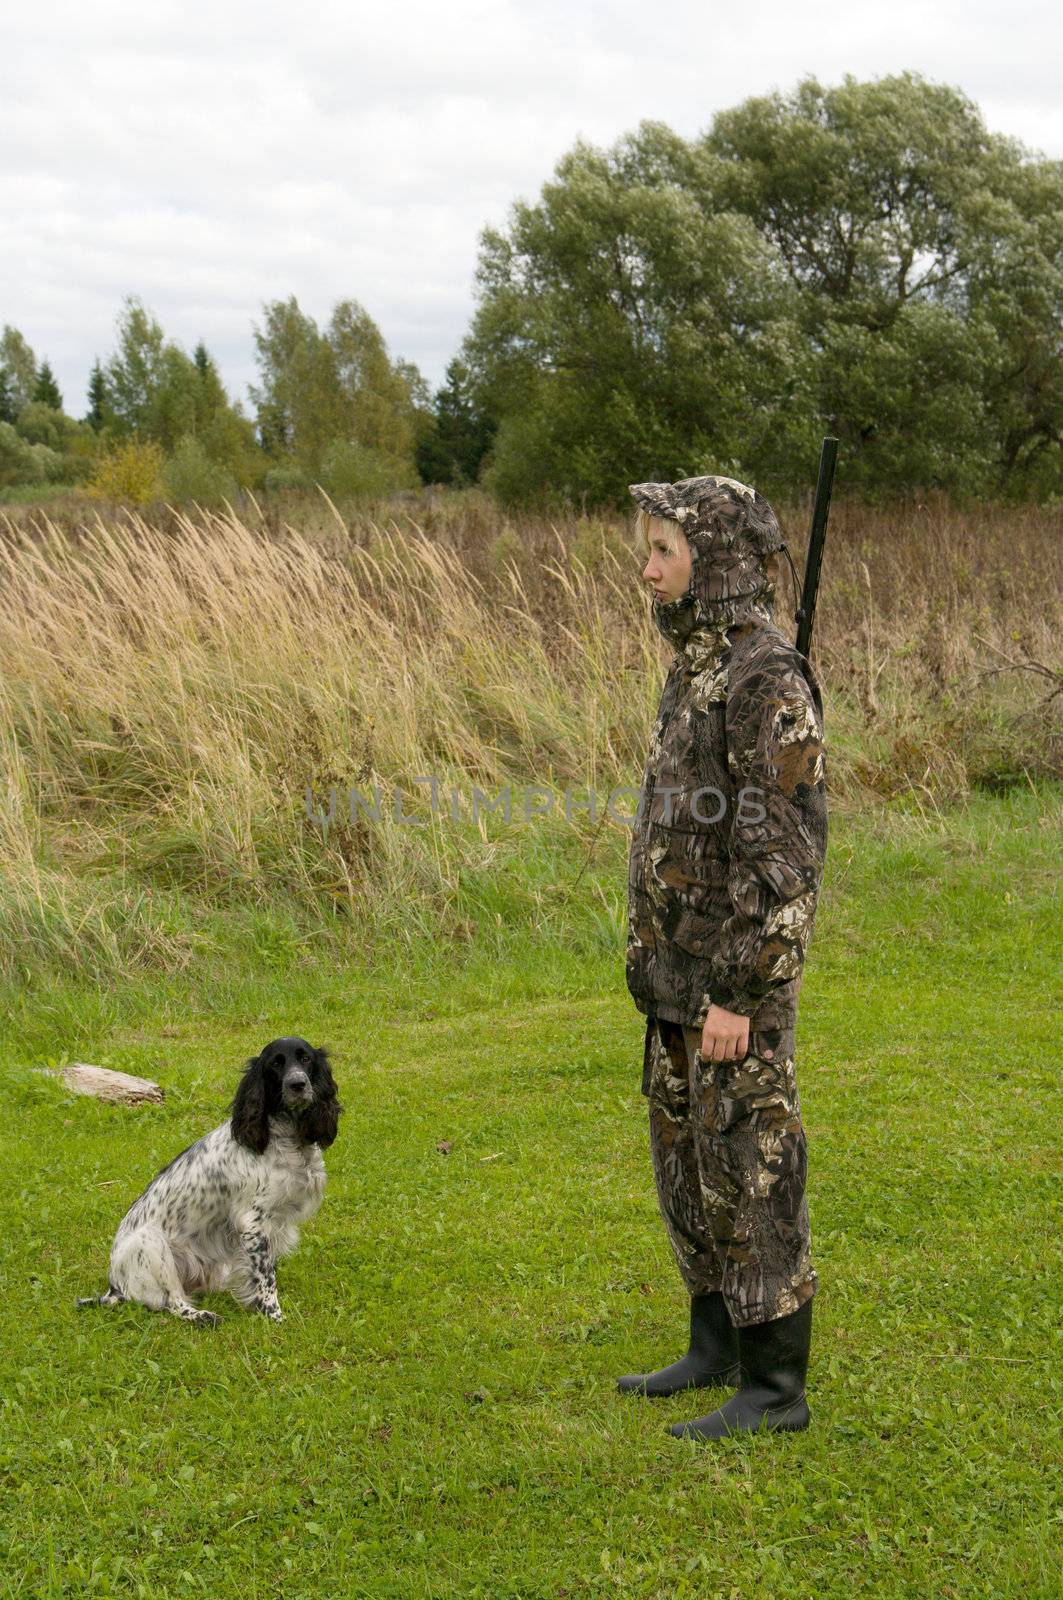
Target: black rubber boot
{"x": 774, "y": 1361}
{"x": 712, "y": 1359}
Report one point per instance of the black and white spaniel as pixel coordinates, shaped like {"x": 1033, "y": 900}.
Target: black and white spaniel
{"x": 224, "y": 1210}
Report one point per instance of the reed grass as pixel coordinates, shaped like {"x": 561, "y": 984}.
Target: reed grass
{"x": 172, "y": 685}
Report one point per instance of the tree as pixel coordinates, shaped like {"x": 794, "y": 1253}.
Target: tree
{"x": 19, "y": 366}
{"x": 453, "y": 449}
{"x": 628, "y": 326}
{"x": 1016, "y": 290}
{"x": 135, "y": 372}
{"x": 925, "y": 253}
{"x": 222, "y": 429}
{"x": 46, "y": 390}
{"x": 333, "y": 403}
{"x": 209, "y": 396}
{"x": 153, "y": 391}
{"x": 300, "y": 401}
{"x": 8, "y": 413}
{"x": 174, "y": 411}
{"x": 381, "y": 398}
{"x": 99, "y": 407}
{"x": 867, "y": 259}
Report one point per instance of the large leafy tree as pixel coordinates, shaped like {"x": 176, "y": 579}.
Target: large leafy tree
{"x": 1016, "y": 290}
{"x": 628, "y": 326}
{"x": 865, "y": 258}
{"x": 925, "y": 254}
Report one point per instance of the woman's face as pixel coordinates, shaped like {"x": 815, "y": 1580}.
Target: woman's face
{"x": 668, "y": 567}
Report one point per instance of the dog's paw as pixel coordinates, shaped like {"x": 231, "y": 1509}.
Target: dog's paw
{"x": 206, "y": 1319}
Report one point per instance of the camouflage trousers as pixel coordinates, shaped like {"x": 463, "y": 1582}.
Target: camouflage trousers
{"x": 730, "y": 1161}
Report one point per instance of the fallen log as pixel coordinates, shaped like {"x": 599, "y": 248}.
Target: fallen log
{"x": 120, "y": 1087}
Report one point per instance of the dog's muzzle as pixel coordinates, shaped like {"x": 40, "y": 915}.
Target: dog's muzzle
{"x": 296, "y": 1088}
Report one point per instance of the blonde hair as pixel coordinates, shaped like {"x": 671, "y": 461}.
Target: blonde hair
{"x": 648, "y": 527}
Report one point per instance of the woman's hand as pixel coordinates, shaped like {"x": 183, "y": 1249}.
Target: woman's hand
{"x": 725, "y": 1036}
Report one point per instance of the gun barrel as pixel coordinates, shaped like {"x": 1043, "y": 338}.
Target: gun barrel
{"x": 806, "y": 615}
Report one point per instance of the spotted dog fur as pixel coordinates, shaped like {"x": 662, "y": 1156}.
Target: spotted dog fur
{"x": 227, "y": 1208}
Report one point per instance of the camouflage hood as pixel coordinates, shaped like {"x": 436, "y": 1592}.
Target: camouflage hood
{"x": 731, "y": 530}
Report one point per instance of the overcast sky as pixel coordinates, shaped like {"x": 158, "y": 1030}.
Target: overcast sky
{"x": 211, "y": 157}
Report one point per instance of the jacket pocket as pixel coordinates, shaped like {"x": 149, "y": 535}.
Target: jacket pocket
{"x": 692, "y": 931}
{"x": 685, "y": 863}
{"x": 772, "y": 1044}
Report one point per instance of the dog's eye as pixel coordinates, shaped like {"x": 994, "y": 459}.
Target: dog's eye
{"x": 303, "y": 1056}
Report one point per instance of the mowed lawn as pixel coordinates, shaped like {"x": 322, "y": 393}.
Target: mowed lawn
{"x": 437, "y": 1416}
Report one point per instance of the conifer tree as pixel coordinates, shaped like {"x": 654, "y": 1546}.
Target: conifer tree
{"x": 96, "y": 415}
{"x": 47, "y": 390}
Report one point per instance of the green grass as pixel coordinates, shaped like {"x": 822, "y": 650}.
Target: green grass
{"x": 436, "y": 1416}
{"x": 36, "y": 494}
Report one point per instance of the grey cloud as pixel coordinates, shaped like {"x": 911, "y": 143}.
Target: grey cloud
{"x": 210, "y": 160}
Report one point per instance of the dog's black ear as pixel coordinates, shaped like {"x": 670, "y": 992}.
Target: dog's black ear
{"x": 250, "y": 1115}
{"x": 320, "y": 1122}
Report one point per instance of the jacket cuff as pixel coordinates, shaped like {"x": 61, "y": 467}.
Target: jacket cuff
{"x": 698, "y": 1020}
{"x": 742, "y": 1004}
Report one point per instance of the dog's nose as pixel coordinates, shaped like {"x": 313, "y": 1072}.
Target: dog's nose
{"x": 297, "y": 1085}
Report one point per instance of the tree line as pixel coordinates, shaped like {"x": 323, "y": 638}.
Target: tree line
{"x": 331, "y": 408}
{"x": 865, "y": 259}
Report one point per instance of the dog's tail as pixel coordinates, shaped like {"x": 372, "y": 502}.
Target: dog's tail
{"x": 110, "y": 1297}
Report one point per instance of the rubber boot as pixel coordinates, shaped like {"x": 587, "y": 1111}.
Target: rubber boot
{"x": 774, "y": 1361}
{"x": 711, "y": 1360}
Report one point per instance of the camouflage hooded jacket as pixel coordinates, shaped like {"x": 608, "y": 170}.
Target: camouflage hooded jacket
{"x": 730, "y": 834}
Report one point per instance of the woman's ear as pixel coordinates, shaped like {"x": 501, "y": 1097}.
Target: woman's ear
{"x": 250, "y": 1117}
{"x": 320, "y": 1121}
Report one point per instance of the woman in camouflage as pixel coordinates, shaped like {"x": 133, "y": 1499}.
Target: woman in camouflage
{"x": 726, "y": 862}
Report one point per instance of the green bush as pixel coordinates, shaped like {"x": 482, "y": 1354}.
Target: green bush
{"x": 349, "y": 468}
{"x": 41, "y": 424}
{"x": 35, "y": 494}
{"x": 278, "y": 479}
{"x": 15, "y": 463}
{"x": 25, "y": 463}
{"x": 190, "y": 474}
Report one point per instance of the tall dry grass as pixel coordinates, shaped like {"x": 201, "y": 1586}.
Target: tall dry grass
{"x": 171, "y": 686}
